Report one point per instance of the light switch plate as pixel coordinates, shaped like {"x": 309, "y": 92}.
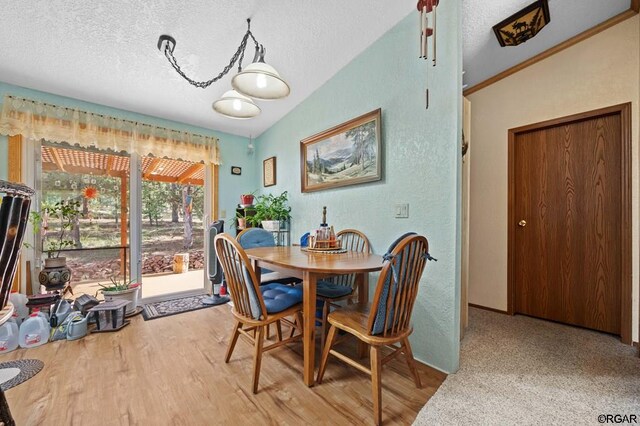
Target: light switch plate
{"x": 223, "y": 213}
{"x": 402, "y": 211}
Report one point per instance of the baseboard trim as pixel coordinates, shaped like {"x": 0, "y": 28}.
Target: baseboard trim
{"x": 486, "y": 308}
{"x": 427, "y": 364}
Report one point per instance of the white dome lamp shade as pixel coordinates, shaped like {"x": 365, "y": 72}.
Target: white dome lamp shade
{"x": 260, "y": 80}
{"x": 235, "y": 105}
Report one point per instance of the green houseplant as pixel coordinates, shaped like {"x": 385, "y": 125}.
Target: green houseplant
{"x": 271, "y": 211}
{"x": 121, "y": 290}
{"x": 240, "y": 221}
{"x": 55, "y": 222}
{"x": 62, "y": 213}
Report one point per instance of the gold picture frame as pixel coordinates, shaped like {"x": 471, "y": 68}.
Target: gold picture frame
{"x": 269, "y": 172}
{"x": 347, "y": 154}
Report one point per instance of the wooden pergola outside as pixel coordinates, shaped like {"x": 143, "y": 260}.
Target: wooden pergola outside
{"x": 78, "y": 161}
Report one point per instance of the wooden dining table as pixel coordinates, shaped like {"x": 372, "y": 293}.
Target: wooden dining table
{"x": 310, "y": 267}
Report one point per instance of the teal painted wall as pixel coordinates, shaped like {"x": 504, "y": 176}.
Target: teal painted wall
{"x": 421, "y": 165}
{"x": 233, "y": 149}
{"x": 234, "y": 153}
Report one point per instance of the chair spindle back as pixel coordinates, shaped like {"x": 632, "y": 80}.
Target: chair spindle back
{"x": 352, "y": 240}
{"x": 241, "y": 278}
{"x": 397, "y": 287}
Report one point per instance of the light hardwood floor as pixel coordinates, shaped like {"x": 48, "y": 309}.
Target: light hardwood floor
{"x": 171, "y": 371}
{"x": 154, "y": 284}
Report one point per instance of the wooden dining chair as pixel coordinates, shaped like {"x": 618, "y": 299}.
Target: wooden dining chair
{"x": 386, "y": 321}
{"x": 255, "y": 306}
{"x": 340, "y": 287}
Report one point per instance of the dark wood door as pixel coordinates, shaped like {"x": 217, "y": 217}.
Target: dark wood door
{"x": 568, "y": 205}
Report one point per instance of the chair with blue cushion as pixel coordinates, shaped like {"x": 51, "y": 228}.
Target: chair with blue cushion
{"x": 387, "y": 320}
{"x": 258, "y": 237}
{"x": 256, "y": 306}
{"x": 340, "y": 287}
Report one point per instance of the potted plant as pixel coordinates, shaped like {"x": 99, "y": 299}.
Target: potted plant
{"x": 241, "y": 221}
{"x": 247, "y": 199}
{"x": 121, "y": 290}
{"x": 271, "y": 211}
{"x": 55, "y": 274}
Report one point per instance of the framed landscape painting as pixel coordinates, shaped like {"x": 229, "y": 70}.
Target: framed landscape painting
{"x": 348, "y": 154}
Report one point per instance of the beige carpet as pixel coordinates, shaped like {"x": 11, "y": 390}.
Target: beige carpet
{"x": 524, "y": 371}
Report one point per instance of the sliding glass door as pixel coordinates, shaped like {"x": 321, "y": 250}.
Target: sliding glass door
{"x": 142, "y": 218}
{"x": 96, "y": 245}
{"x": 172, "y": 213}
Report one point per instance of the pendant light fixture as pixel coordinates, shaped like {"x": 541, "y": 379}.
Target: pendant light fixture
{"x": 235, "y": 105}
{"x": 258, "y": 80}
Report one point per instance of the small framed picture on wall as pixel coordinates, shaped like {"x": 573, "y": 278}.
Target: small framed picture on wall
{"x": 269, "y": 171}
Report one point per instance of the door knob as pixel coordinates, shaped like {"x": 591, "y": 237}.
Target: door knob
{"x": 522, "y": 223}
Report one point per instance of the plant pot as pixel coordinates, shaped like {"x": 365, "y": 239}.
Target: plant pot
{"x": 242, "y": 222}
{"x": 247, "y": 200}
{"x": 55, "y": 262}
{"x": 55, "y": 274}
{"x": 271, "y": 225}
{"x": 130, "y": 295}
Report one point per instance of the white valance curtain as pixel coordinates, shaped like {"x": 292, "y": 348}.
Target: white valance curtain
{"x": 38, "y": 120}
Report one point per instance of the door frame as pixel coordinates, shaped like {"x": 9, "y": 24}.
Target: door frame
{"x": 466, "y": 194}
{"x": 210, "y": 189}
{"x": 624, "y": 110}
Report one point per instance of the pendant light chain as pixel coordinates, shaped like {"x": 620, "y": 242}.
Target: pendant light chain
{"x": 258, "y": 80}
{"x": 238, "y": 57}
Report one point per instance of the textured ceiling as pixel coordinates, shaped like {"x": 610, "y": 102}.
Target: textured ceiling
{"x": 483, "y": 56}
{"x": 105, "y": 52}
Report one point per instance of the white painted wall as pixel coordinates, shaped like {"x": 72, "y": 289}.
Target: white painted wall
{"x": 601, "y": 71}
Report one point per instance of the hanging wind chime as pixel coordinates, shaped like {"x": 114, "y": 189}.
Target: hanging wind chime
{"x": 427, "y": 9}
